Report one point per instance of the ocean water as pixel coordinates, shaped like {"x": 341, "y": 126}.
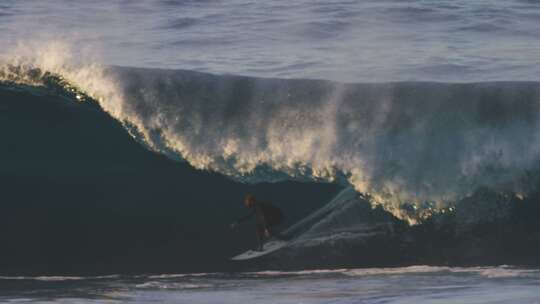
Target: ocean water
{"x": 416, "y": 284}
{"x": 352, "y": 41}
{"x": 424, "y": 114}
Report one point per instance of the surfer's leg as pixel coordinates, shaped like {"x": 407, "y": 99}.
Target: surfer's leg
{"x": 274, "y": 232}
{"x": 260, "y": 237}
{"x": 277, "y": 234}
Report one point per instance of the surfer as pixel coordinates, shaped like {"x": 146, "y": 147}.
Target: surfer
{"x": 266, "y": 215}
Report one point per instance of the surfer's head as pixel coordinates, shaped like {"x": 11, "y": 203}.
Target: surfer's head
{"x": 249, "y": 200}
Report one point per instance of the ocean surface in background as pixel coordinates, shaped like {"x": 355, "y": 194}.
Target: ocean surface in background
{"x": 416, "y": 284}
{"x": 350, "y": 41}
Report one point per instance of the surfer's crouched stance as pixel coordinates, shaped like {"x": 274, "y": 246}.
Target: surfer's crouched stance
{"x": 266, "y": 215}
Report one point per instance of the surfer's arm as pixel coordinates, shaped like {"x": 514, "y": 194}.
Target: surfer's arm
{"x": 261, "y": 218}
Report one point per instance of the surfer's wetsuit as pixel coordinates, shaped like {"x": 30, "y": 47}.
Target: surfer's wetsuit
{"x": 266, "y": 215}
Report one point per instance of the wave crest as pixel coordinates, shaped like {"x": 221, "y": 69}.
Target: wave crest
{"x": 423, "y": 145}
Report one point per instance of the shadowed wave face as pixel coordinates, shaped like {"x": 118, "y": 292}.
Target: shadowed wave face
{"x": 80, "y": 196}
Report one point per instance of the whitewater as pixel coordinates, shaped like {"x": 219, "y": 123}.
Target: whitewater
{"x": 424, "y": 112}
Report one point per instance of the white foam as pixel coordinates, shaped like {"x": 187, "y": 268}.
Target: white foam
{"x": 488, "y": 272}
{"x": 58, "y": 278}
{"x": 170, "y": 285}
{"x": 179, "y": 275}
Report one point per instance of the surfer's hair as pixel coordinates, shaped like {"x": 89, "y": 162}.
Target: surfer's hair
{"x": 250, "y": 198}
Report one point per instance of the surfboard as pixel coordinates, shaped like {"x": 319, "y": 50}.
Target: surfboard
{"x": 268, "y": 248}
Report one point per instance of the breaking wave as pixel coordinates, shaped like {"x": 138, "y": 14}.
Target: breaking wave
{"x": 407, "y": 145}
{"x": 502, "y": 271}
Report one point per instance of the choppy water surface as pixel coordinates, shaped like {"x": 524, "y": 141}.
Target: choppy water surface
{"x": 342, "y": 40}
{"x": 417, "y": 284}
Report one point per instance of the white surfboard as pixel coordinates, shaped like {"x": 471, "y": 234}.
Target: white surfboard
{"x": 268, "y": 248}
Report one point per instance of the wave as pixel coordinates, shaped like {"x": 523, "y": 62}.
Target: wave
{"x": 58, "y": 278}
{"x": 413, "y": 147}
{"x": 502, "y": 271}
{"x": 160, "y": 281}
{"x": 169, "y": 285}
